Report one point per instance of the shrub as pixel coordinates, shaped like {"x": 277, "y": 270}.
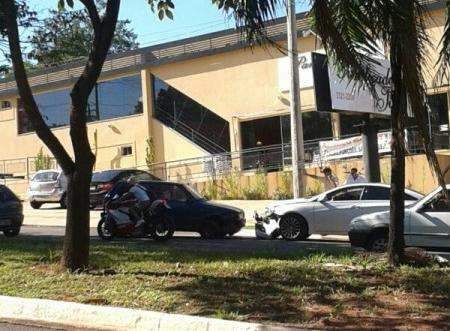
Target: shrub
{"x": 211, "y": 191}
{"x": 150, "y": 153}
{"x": 314, "y": 189}
{"x": 259, "y": 190}
{"x": 232, "y": 186}
{"x": 42, "y": 161}
{"x": 284, "y": 190}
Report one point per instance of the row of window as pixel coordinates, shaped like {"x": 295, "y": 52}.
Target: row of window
{"x": 110, "y": 99}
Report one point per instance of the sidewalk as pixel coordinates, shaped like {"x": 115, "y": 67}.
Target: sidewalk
{"x": 75, "y": 315}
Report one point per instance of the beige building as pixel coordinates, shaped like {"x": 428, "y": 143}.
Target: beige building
{"x": 192, "y": 99}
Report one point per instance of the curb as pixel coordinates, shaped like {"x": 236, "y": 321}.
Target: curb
{"x": 113, "y": 318}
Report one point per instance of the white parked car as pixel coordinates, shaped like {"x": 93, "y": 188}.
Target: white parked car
{"x": 426, "y": 224}
{"x": 47, "y": 186}
{"x": 328, "y": 213}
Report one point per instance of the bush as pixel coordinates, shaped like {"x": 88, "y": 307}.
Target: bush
{"x": 42, "y": 161}
{"x": 259, "y": 190}
{"x": 284, "y": 191}
{"x": 232, "y": 186}
{"x": 211, "y": 190}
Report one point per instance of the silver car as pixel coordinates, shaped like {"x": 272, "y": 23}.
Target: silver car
{"x": 47, "y": 186}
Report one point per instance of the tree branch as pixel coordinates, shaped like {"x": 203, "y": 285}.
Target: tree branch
{"x": 103, "y": 36}
{"x": 31, "y": 108}
{"x": 93, "y": 13}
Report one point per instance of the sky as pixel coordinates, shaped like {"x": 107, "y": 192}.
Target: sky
{"x": 191, "y": 18}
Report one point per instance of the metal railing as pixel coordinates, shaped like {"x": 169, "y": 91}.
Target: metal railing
{"x": 194, "y": 135}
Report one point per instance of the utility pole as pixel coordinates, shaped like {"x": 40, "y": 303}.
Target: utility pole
{"x": 298, "y": 162}
{"x": 371, "y": 156}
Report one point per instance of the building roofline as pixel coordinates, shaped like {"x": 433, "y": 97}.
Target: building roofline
{"x": 173, "y": 51}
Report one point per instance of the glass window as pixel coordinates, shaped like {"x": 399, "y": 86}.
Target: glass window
{"x": 194, "y": 193}
{"x": 190, "y": 118}
{"x": 109, "y": 99}
{"x": 261, "y": 132}
{"x": 46, "y": 177}
{"x": 316, "y": 125}
{"x": 169, "y": 192}
{"x": 142, "y": 175}
{"x": 105, "y": 176}
{"x": 376, "y": 193}
{"x": 438, "y": 105}
{"x": 127, "y": 150}
{"x": 353, "y": 193}
{"x": 350, "y": 124}
{"x": 438, "y": 204}
{"x": 5, "y": 104}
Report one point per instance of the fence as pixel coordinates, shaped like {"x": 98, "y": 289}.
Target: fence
{"x": 267, "y": 158}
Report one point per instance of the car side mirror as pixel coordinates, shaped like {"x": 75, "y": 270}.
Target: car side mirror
{"x": 323, "y": 198}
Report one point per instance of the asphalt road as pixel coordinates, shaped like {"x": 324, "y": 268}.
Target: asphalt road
{"x": 243, "y": 242}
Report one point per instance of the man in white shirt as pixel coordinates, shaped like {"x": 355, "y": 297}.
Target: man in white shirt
{"x": 355, "y": 178}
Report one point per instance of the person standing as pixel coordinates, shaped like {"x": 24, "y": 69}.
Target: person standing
{"x": 355, "y": 178}
{"x": 330, "y": 181}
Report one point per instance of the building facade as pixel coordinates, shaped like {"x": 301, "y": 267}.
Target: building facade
{"x": 189, "y": 99}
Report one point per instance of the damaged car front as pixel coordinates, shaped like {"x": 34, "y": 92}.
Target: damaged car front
{"x": 267, "y": 224}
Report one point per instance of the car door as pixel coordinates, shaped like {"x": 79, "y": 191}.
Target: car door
{"x": 333, "y": 214}
{"x": 179, "y": 203}
{"x": 430, "y": 224}
{"x": 374, "y": 199}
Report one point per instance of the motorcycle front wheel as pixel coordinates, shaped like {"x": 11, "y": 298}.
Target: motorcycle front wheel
{"x": 162, "y": 228}
{"x": 105, "y": 229}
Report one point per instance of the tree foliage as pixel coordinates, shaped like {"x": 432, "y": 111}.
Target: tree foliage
{"x": 68, "y": 34}
{"x": 350, "y": 30}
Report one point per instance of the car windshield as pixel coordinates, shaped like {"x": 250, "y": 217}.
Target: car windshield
{"x": 50, "y": 176}
{"x": 194, "y": 193}
{"x": 104, "y": 176}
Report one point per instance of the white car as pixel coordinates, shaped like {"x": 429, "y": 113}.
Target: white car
{"x": 426, "y": 224}
{"x": 47, "y": 186}
{"x": 328, "y": 213}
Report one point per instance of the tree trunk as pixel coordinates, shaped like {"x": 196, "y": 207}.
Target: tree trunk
{"x": 76, "y": 240}
{"x": 396, "y": 245}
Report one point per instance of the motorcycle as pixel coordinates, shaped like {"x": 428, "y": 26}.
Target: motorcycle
{"x": 118, "y": 220}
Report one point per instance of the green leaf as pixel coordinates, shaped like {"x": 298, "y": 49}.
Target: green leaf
{"x": 169, "y": 14}
{"x": 61, "y": 5}
{"x": 161, "y": 14}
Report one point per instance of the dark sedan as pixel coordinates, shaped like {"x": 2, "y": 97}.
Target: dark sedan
{"x": 11, "y": 212}
{"x": 192, "y": 212}
{"x": 103, "y": 181}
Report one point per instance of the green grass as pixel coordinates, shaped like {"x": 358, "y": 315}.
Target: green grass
{"x": 295, "y": 286}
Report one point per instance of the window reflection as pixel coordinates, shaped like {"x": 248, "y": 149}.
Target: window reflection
{"x": 110, "y": 99}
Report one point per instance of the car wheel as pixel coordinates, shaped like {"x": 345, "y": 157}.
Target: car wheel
{"x": 162, "y": 229}
{"x": 105, "y": 229}
{"x": 35, "y": 204}
{"x": 378, "y": 242}
{"x": 293, "y": 227}
{"x": 11, "y": 232}
{"x": 63, "y": 202}
{"x": 211, "y": 230}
